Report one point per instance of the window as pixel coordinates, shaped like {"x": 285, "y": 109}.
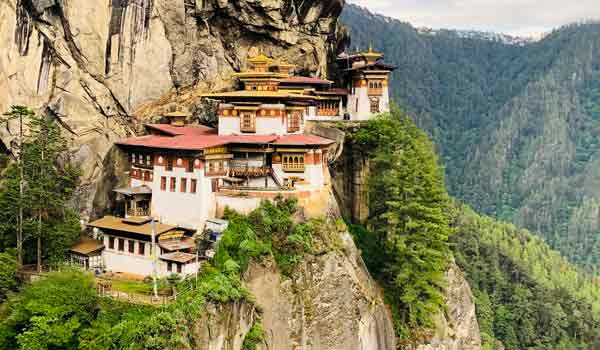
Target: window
{"x": 179, "y": 268}
{"x": 183, "y": 186}
{"x": 131, "y": 246}
{"x": 169, "y": 266}
{"x": 248, "y": 122}
{"x": 193, "y": 185}
{"x": 294, "y": 122}
{"x": 148, "y": 161}
{"x": 190, "y": 165}
{"x": 374, "y": 105}
{"x": 173, "y": 184}
{"x": 141, "y": 248}
{"x": 111, "y": 242}
{"x": 121, "y": 244}
{"x": 169, "y": 164}
{"x": 293, "y": 162}
{"x": 163, "y": 183}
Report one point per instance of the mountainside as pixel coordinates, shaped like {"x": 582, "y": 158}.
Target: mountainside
{"x": 94, "y": 64}
{"x": 517, "y": 125}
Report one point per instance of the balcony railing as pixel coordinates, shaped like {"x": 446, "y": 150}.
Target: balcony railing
{"x": 241, "y": 168}
{"x": 293, "y": 167}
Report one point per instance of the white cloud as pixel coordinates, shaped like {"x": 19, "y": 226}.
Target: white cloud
{"x": 517, "y": 17}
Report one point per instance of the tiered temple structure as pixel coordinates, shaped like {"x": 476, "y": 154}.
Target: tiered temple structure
{"x": 182, "y": 175}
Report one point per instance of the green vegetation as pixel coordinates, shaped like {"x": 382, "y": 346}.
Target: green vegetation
{"x": 406, "y": 249}
{"x": 527, "y": 296}
{"x": 34, "y": 193}
{"x": 517, "y": 127}
{"x": 255, "y": 336}
{"x": 9, "y": 279}
{"x": 62, "y": 311}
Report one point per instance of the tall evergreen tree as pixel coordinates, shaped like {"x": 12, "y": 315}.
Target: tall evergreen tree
{"x": 19, "y": 113}
{"x": 410, "y": 217}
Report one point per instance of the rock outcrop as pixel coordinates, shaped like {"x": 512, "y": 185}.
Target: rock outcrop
{"x": 457, "y": 327}
{"x": 99, "y": 67}
{"x": 330, "y": 303}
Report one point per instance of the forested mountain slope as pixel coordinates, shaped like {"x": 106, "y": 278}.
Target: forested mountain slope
{"x": 516, "y": 125}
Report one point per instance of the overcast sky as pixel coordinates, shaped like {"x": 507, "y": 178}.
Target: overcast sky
{"x": 516, "y": 17}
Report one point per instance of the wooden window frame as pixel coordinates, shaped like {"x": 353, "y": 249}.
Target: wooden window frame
{"x": 251, "y": 125}
{"x": 169, "y": 266}
{"x": 183, "y": 185}
{"x": 294, "y": 122}
{"x": 131, "y": 246}
{"x": 121, "y": 244}
{"x": 179, "y": 267}
{"x": 142, "y": 248}
{"x": 170, "y": 163}
{"x": 374, "y": 105}
{"x": 111, "y": 242}
{"x": 293, "y": 162}
{"x": 163, "y": 183}
{"x": 173, "y": 184}
{"x": 193, "y": 186}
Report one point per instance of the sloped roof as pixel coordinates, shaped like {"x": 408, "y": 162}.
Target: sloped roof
{"x": 305, "y": 80}
{"x": 182, "y": 130}
{"x": 118, "y": 224}
{"x": 178, "y": 257}
{"x": 134, "y": 190}
{"x": 86, "y": 246}
{"x": 302, "y": 139}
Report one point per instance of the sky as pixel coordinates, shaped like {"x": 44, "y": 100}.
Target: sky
{"x": 515, "y": 17}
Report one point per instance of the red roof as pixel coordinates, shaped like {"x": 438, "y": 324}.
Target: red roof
{"x": 305, "y": 80}
{"x": 333, "y": 91}
{"x": 193, "y": 140}
{"x": 182, "y": 130}
{"x": 302, "y": 139}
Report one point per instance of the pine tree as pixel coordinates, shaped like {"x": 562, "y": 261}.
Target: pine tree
{"x": 410, "y": 214}
{"x": 19, "y": 113}
{"x": 51, "y": 179}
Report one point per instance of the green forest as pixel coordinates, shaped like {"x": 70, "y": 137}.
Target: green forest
{"x": 517, "y": 126}
{"x": 527, "y": 295}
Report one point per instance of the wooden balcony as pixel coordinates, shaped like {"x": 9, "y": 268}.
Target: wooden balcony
{"x": 242, "y": 169}
{"x": 293, "y": 167}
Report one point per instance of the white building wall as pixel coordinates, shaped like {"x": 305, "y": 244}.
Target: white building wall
{"x": 314, "y": 172}
{"x": 229, "y": 126}
{"x": 384, "y": 102}
{"x": 269, "y": 126}
{"x": 358, "y": 104}
{"x": 188, "y": 210}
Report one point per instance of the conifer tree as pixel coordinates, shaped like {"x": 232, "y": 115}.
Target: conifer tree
{"x": 50, "y": 176}
{"x": 410, "y": 216}
{"x": 19, "y": 113}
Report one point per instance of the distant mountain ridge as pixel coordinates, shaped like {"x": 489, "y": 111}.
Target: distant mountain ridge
{"x": 518, "y": 126}
{"x": 481, "y": 35}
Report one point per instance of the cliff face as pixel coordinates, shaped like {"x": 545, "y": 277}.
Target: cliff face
{"x": 94, "y": 65}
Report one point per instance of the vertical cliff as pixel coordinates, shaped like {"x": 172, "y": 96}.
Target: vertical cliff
{"x": 99, "y": 67}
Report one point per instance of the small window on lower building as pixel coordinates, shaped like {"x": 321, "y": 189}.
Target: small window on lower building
{"x": 169, "y": 266}
{"x": 179, "y": 268}
{"x": 163, "y": 183}
{"x": 121, "y": 245}
{"x": 131, "y": 246}
{"x": 193, "y": 186}
{"x": 111, "y": 242}
{"x": 141, "y": 248}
